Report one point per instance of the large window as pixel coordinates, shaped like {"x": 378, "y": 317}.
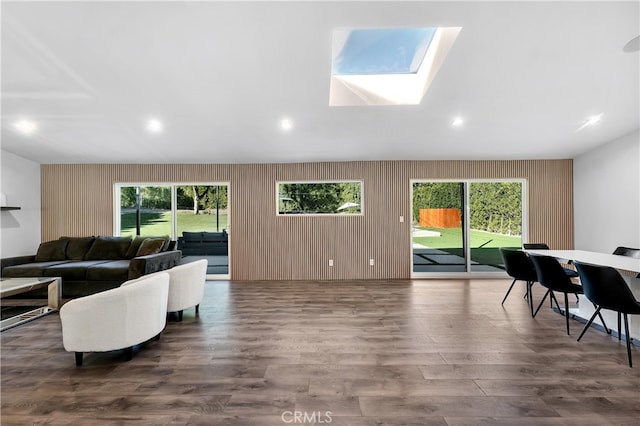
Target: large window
{"x": 319, "y": 198}
{"x": 459, "y": 226}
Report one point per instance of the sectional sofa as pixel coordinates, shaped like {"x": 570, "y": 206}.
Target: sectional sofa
{"x": 90, "y": 265}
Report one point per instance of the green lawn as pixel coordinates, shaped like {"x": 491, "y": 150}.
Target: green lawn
{"x": 484, "y": 245}
{"x": 159, "y": 223}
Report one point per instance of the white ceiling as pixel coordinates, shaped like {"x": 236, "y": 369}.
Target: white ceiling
{"x": 221, "y": 75}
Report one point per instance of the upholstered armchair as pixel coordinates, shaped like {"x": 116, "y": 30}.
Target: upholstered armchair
{"x": 186, "y": 286}
{"x": 116, "y": 319}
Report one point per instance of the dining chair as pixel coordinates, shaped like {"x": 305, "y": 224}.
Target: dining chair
{"x": 519, "y": 267}
{"x": 552, "y": 276}
{"x": 607, "y": 289}
{"x": 543, "y": 246}
{"x": 629, "y": 252}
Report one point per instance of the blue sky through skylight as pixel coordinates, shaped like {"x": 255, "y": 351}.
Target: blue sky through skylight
{"x": 383, "y": 51}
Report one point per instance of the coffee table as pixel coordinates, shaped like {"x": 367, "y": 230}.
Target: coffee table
{"x": 13, "y": 286}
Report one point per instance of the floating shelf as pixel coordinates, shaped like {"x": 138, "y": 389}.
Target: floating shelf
{"x": 9, "y": 208}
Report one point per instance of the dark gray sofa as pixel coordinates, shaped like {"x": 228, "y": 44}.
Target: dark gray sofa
{"x": 90, "y": 265}
{"x": 204, "y": 243}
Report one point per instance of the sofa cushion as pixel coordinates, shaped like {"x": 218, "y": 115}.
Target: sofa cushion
{"x": 74, "y": 270}
{"x": 51, "y": 250}
{"x": 115, "y": 270}
{"x": 28, "y": 269}
{"x": 150, "y": 246}
{"x": 78, "y": 246}
{"x": 108, "y": 248}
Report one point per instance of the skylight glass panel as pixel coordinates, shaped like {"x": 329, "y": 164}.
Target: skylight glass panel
{"x": 383, "y": 51}
{"x": 386, "y": 66}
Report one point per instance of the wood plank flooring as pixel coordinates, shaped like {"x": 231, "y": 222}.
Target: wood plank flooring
{"x": 424, "y": 352}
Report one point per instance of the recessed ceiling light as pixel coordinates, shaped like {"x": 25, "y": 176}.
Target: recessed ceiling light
{"x": 591, "y": 121}
{"x": 594, "y": 119}
{"x": 457, "y": 122}
{"x": 26, "y": 127}
{"x": 286, "y": 124}
{"x": 154, "y": 125}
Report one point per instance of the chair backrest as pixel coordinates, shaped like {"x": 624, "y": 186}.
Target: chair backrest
{"x": 117, "y": 318}
{"x": 605, "y": 287}
{"x": 551, "y": 274}
{"x": 627, "y": 251}
{"x": 535, "y": 246}
{"x": 186, "y": 285}
{"x": 518, "y": 265}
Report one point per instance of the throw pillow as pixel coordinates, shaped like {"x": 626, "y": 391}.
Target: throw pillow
{"x": 150, "y": 246}
{"x": 78, "y": 246}
{"x": 51, "y": 250}
{"x": 108, "y": 248}
{"x": 135, "y": 245}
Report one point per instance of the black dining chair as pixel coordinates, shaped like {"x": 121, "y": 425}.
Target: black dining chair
{"x": 552, "y": 276}
{"x": 519, "y": 267}
{"x": 543, "y": 246}
{"x": 629, "y": 252}
{"x": 606, "y": 289}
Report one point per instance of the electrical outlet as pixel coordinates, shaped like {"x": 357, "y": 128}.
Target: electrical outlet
{"x": 330, "y": 262}
{"x": 372, "y": 262}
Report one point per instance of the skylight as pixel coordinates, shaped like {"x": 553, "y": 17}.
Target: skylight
{"x": 386, "y": 66}
{"x": 383, "y": 51}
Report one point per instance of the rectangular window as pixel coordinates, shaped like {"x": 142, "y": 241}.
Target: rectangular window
{"x": 319, "y": 198}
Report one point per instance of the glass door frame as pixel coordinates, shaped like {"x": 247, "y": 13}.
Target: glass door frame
{"x": 466, "y": 224}
{"x": 174, "y": 203}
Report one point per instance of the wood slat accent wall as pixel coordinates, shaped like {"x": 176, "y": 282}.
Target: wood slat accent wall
{"x": 77, "y": 199}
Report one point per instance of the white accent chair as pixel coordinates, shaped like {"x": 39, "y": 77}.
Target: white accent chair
{"x": 118, "y": 318}
{"x": 186, "y": 286}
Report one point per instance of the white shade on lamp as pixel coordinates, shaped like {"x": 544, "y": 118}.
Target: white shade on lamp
{"x": 3, "y": 200}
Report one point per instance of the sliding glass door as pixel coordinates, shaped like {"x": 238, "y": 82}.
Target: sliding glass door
{"x": 438, "y": 234}
{"x": 459, "y": 226}
{"x": 196, "y": 215}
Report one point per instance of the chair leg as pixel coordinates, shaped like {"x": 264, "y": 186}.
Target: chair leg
{"x": 628, "y": 339}
{"x": 179, "y": 315}
{"x": 566, "y": 310}
{"x": 604, "y": 324}
{"x": 128, "y": 353}
{"x": 596, "y": 313}
{"x": 505, "y": 296}
{"x": 78, "y": 359}
{"x": 530, "y": 296}
{"x": 553, "y": 299}
{"x": 619, "y": 334}
{"x": 541, "y": 303}
{"x": 198, "y": 308}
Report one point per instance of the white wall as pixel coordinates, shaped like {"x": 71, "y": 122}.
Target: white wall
{"x": 606, "y": 184}
{"x": 20, "y": 229}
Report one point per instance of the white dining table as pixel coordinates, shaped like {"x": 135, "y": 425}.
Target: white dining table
{"x": 622, "y": 263}
{"x": 625, "y": 263}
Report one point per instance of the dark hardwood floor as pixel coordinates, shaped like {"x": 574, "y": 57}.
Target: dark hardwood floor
{"x": 429, "y": 352}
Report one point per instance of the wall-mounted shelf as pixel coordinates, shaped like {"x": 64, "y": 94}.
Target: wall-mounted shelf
{"x": 4, "y": 208}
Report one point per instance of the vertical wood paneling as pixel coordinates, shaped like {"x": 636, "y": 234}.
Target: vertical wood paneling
{"x": 77, "y": 200}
